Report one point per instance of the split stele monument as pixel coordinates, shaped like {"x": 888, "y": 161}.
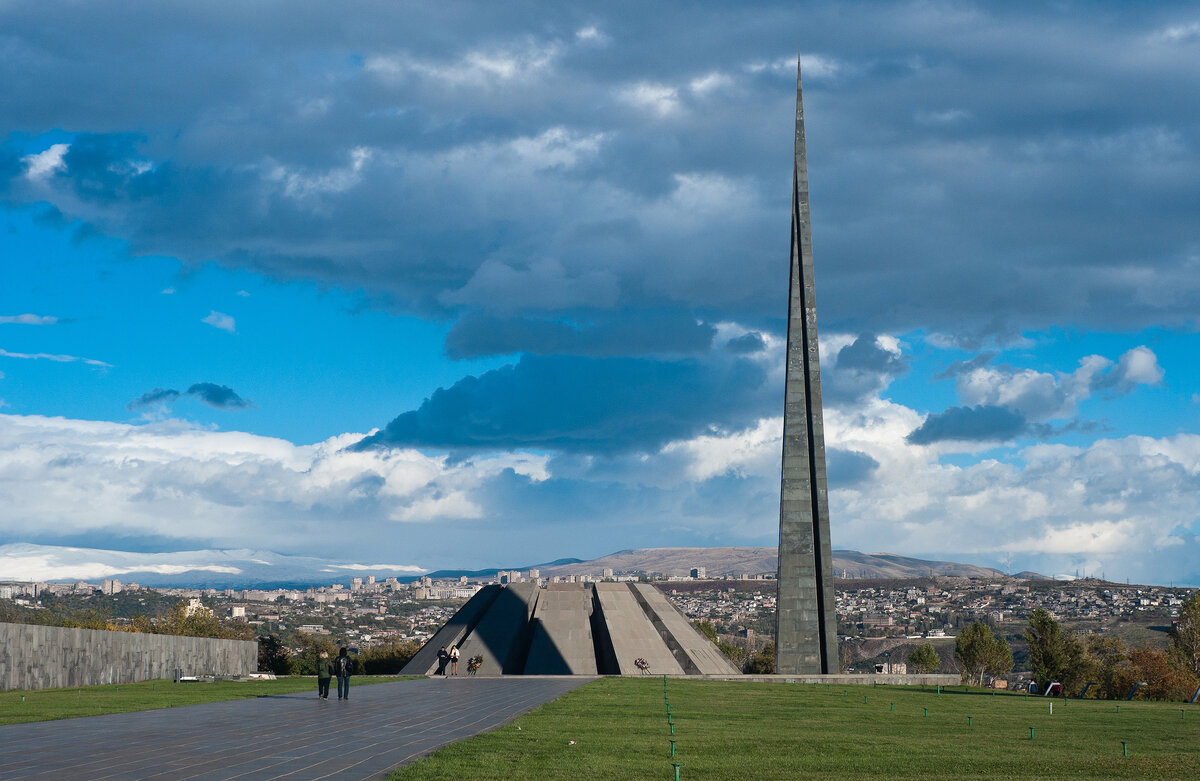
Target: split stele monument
{"x": 805, "y": 622}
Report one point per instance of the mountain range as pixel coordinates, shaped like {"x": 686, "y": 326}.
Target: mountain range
{"x": 252, "y": 568}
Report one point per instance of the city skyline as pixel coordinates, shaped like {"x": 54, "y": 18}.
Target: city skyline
{"x": 439, "y": 288}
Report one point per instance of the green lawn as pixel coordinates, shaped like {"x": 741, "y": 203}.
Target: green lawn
{"x": 760, "y": 731}
{"x": 17, "y": 707}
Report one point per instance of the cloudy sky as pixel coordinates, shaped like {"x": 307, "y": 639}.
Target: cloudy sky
{"x": 480, "y": 284}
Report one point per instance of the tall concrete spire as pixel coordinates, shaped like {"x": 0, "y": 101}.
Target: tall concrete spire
{"x": 805, "y": 623}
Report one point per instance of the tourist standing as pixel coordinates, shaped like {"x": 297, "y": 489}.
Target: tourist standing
{"x": 324, "y": 673}
{"x": 443, "y": 657}
{"x": 343, "y": 667}
{"x": 454, "y": 660}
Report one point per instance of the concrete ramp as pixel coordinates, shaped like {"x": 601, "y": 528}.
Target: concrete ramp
{"x": 502, "y": 635}
{"x": 694, "y": 652}
{"x": 562, "y": 632}
{"x": 452, "y": 632}
{"x": 631, "y": 633}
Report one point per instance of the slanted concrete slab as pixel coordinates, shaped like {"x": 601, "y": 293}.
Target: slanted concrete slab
{"x": 459, "y": 625}
{"x": 562, "y": 632}
{"x": 631, "y": 633}
{"x": 694, "y": 652}
{"x": 503, "y": 634}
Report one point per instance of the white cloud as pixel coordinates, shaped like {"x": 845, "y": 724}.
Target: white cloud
{"x": 812, "y": 66}
{"x": 1139, "y": 366}
{"x": 476, "y": 68}
{"x": 1041, "y": 395}
{"x": 660, "y": 99}
{"x": 55, "y": 358}
{"x": 710, "y": 82}
{"x": 32, "y": 563}
{"x": 28, "y": 319}
{"x": 301, "y": 185}
{"x": 950, "y": 116}
{"x": 220, "y": 320}
{"x": 369, "y": 567}
{"x": 171, "y": 478}
{"x": 43, "y": 164}
{"x": 1180, "y": 33}
{"x": 592, "y": 35}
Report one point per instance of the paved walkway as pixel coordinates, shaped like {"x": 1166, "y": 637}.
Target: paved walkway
{"x": 289, "y": 736}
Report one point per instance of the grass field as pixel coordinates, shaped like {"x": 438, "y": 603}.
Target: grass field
{"x": 619, "y": 728}
{"x": 17, "y": 707}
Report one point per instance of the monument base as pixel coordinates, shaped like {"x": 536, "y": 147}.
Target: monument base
{"x": 573, "y": 629}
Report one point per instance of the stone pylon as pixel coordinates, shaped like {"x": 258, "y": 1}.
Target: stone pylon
{"x": 805, "y": 623}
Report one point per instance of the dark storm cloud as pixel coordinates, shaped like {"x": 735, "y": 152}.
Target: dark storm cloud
{"x": 646, "y": 333}
{"x": 860, "y": 369}
{"x": 976, "y": 169}
{"x": 156, "y": 396}
{"x": 969, "y": 424}
{"x": 965, "y": 367}
{"x": 848, "y": 468}
{"x": 219, "y": 396}
{"x": 746, "y": 344}
{"x": 573, "y": 403}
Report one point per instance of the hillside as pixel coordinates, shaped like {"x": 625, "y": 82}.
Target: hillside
{"x": 738, "y": 560}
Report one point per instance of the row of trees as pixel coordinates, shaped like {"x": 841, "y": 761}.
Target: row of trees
{"x": 382, "y": 659}
{"x": 176, "y": 621}
{"x": 1108, "y": 664}
{"x": 1112, "y": 667}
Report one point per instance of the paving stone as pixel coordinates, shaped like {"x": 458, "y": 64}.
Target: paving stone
{"x": 292, "y": 736}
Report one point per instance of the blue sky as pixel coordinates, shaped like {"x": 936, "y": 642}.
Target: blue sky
{"x": 483, "y": 285}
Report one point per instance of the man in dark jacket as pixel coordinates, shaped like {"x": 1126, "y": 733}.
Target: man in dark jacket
{"x": 343, "y": 667}
{"x": 442, "y": 657}
{"x": 324, "y": 673}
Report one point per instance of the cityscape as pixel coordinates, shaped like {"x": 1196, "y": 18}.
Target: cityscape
{"x": 366, "y": 611}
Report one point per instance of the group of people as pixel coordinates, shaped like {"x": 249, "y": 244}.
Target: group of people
{"x": 341, "y": 668}
{"x": 445, "y": 657}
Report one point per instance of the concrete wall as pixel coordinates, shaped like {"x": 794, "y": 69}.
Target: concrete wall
{"x": 695, "y": 652}
{"x": 452, "y": 632}
{"x": 562, "y": 632}
{"x": 46, "y": 657}
{"x": 631, "y": 633}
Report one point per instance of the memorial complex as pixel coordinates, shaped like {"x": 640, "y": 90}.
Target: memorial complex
{"x": 604, "y": 628}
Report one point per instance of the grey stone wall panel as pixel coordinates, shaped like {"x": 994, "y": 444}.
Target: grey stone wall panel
{"x": 47, "y": 657}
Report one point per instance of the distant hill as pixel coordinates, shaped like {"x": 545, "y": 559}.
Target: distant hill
{"x": 738, "y": 560}
{"x": 266, "y": 569}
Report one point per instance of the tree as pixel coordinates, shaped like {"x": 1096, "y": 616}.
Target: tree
{"x": 924, "y": 659}
{"x": 273, "y": 656}
{"x": 311, "y": 646}
{"x": 386, "y": 658}
{"x": 763, "y": 662}
{"x": 981, "y": 653}
{"x": 1185, "y": 636}
{"x": 1164, "y": 680}
{"x": 1107, "y": 658}
{"x": 201, "y": 623}
{"x": 1055, "y": 655}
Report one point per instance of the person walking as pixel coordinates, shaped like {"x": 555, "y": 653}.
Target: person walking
{"x": 454, "y": 660}
{"x": 324, "y": 673}
{"x": 443, "y": 657}
{"x": 343, "y": 668}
